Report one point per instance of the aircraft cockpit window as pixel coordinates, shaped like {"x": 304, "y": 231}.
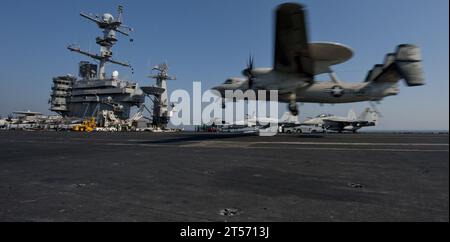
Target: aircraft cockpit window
{"x": 229, "y": 81}
{"x": 324, "y": 115}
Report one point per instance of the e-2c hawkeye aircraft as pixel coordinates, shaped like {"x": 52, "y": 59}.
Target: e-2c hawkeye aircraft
{"x": 297, "y": 62}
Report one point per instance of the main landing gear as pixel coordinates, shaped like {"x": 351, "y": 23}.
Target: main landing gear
{"x": 293, "y": 107}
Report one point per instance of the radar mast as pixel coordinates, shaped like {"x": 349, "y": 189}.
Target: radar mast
{"x": 109, "y": 25}
{"x": 158, "y": 94}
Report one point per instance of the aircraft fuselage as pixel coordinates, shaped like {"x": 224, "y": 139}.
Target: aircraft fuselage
{"x": 309, "y": 91}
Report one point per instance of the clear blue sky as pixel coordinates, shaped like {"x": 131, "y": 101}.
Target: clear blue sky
{"x": 210, "y": 40}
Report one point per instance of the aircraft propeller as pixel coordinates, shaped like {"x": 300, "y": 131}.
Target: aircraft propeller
{"x": 248, "y": 72}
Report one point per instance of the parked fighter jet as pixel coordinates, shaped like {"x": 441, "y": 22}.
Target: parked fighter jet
{"x": 255, "y": 122}
{"x": 25, "y": 120}
{"x": 297, "y": 62}
{"x": 350, "y": 123}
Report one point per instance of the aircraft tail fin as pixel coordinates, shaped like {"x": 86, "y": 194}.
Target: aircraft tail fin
{"x": 405, "y": 63}
{"x": 351, "y": 115}
{"x": 289, "y": 118}
{"x": 369, "y": 115}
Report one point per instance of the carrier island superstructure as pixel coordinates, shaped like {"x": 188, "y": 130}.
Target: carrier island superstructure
{"x": 94, "y": 91}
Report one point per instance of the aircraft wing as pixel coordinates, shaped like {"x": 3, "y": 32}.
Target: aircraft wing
{"x": 330, "y": 122}
{"x": 341, "y": 123}
{"x": 27, "y": 113}
{"x": 292, "y": 53}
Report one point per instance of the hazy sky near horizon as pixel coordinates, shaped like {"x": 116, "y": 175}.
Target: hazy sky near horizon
{"x": 210, "y": 40}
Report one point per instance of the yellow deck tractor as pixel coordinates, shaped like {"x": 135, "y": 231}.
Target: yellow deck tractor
{"x": 88, "y": 125}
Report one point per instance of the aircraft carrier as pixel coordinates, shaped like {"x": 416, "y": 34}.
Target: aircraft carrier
{"x": 187, "y": 176}
{"x": 67, "y": 176}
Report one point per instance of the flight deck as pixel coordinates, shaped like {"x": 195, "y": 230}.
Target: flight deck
{"x": 68, "y": 176}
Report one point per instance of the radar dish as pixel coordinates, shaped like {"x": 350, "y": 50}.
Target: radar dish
{"x": 108, "y": 18}
{"x": 325, "y": 54}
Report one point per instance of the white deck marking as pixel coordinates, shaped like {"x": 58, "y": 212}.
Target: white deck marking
{"x": 346, "y": 143}
{"x": 348, "y": 149}
{"x": 250, "y": 145}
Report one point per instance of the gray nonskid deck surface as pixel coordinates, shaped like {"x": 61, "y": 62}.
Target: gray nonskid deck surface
{"x": 64, "y": 176}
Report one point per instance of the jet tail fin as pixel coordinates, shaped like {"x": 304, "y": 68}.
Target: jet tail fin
{"x": 351, "y": 115}
{"x": 289, "y": 118}
{"x": 369, "y": 115}
{"x": 405, "y": 63}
